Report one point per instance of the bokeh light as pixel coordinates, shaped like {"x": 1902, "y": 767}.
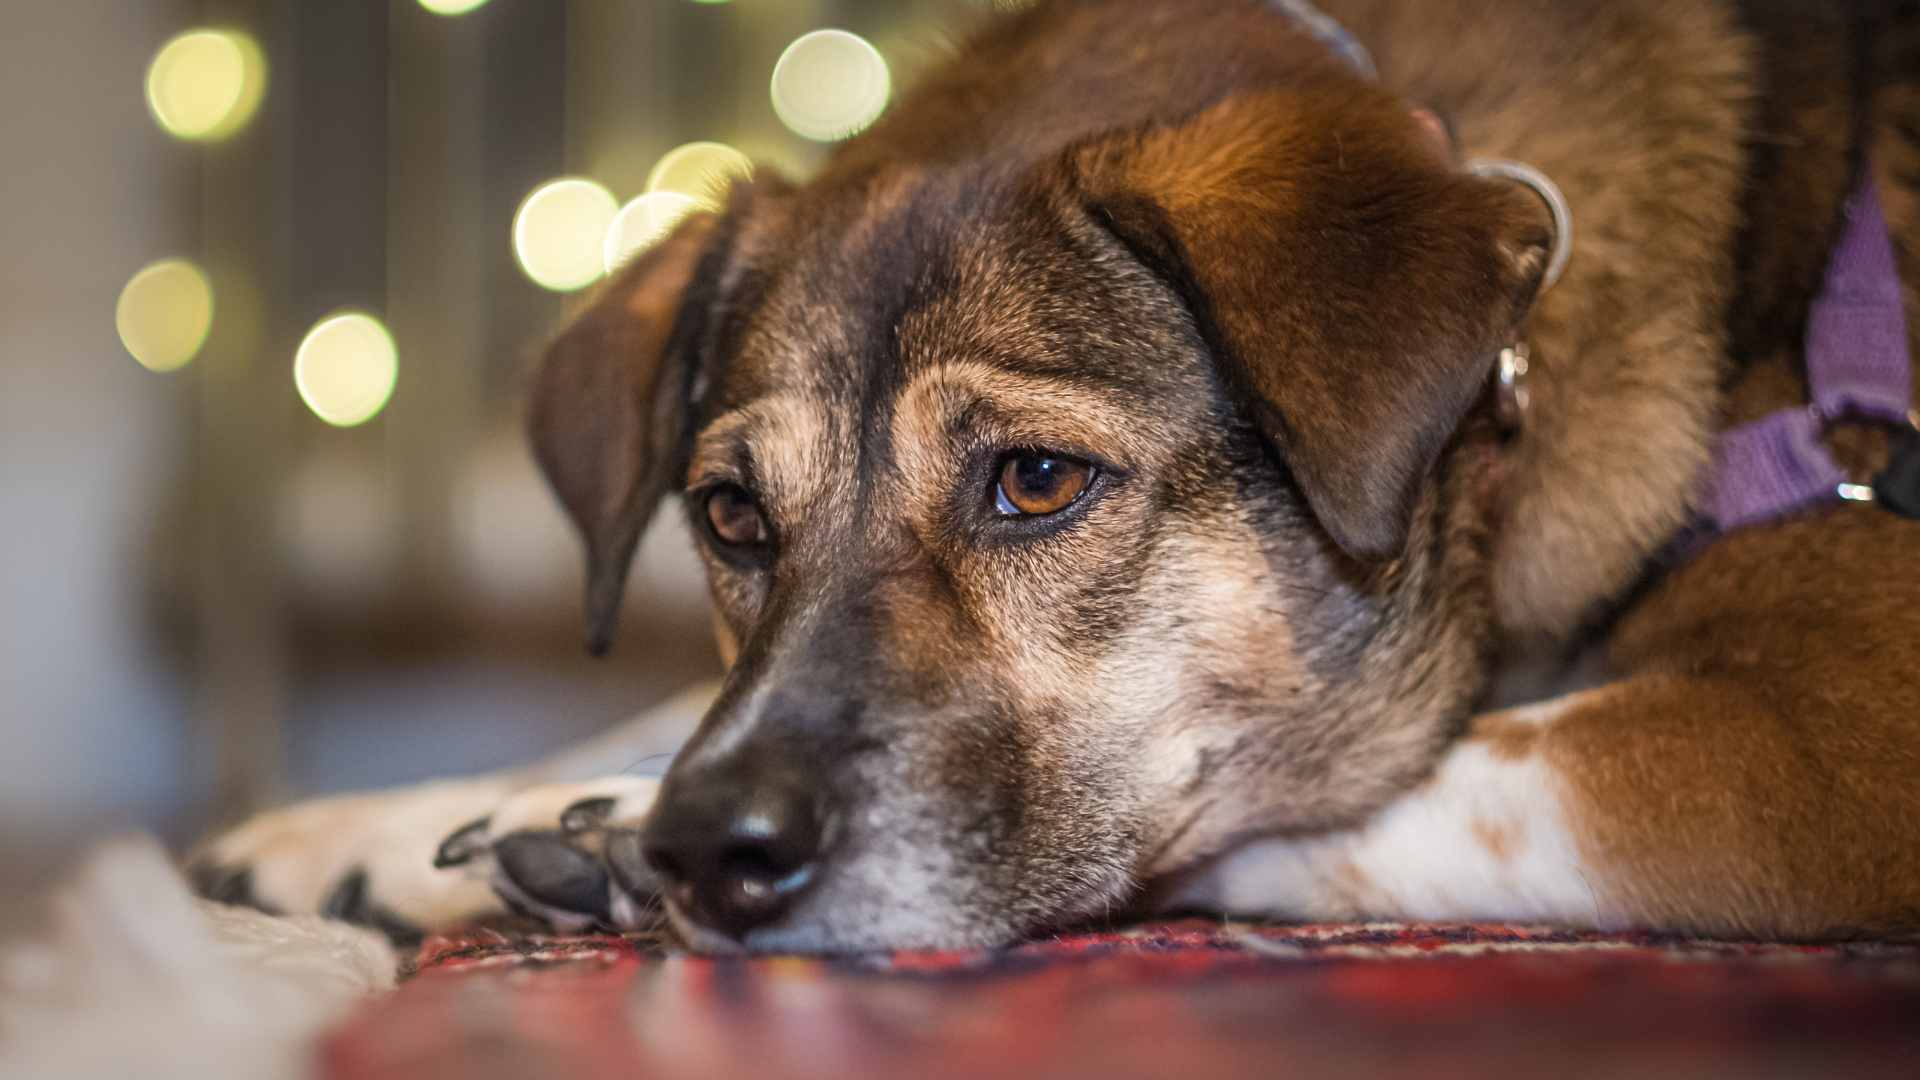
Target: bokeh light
{"x": 205, "y": 84}
{"x": 829, "y": 84}
{"x": 703, "y": 171}
{"x": 345, "y": 368}
{"x": 164, "y": 314}
{"x": 451, "y": 7}
{"x": 643, "y": 223}
{"x": 560, "y": 233}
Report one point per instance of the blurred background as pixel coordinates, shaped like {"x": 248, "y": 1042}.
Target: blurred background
{"x": 272, "y": 273}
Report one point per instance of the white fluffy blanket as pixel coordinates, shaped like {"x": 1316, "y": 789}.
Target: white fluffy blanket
{"x": 140, "y": 979}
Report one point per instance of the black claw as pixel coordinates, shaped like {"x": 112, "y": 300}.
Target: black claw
{"x": 349, "y": 902}
{"x": 554, "y": 872}
{"x": 467, "y": 841}
{"x": 631, "y": 874}
{"x": 231, "y": 885}
{"x": 586, "y": 814}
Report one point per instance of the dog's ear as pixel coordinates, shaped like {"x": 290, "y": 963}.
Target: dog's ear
{"x": 1352, "y": 284}
{"x": 606, "y": 410}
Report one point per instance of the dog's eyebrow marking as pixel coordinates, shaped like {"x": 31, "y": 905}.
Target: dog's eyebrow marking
{"x": 784, "y": 442}
{"x": 1012, "y": 409}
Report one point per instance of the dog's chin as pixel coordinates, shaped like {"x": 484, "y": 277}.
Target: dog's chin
{"x": 883, "y": 933}
{"x": 880, "y": 904}
{"x": 699, "y": 939}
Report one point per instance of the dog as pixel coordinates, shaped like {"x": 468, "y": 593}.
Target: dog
{"x": 1148, "y": 470}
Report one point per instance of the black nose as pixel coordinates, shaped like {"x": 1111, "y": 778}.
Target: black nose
{"x": 734, "y": 845}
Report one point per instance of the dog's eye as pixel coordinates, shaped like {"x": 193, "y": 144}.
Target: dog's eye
{"x": 1034, "y": 482}
{"x": 734, "y": 517}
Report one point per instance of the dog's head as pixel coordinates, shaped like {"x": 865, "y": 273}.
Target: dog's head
{"x": 1070, "y": 516}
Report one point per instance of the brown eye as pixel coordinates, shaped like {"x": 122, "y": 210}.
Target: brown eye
{"x": 1032, "y": 482}
{"x": 734, "y": 517}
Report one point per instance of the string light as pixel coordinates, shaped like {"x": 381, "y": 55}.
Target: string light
{"x": 345, "y": 369}
{"x": 164, "y": 314}
{"x": 829, "y": 84}
{"x": 560, "y": 233}
{"x": 644, "y": 222}
{"x": 206, "y": 84}
{"x": 703, "y": 171}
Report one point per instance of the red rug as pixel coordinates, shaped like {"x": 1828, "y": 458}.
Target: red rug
{"x": 1191, "y": 1000}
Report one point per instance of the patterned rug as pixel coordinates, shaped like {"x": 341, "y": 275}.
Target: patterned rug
{"x": 1189, "y": 999}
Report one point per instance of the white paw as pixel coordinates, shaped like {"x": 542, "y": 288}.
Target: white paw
{"x": 364, "y": 859}
{"x": 567, "y": 853}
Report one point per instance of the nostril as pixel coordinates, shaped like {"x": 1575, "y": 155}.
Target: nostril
{"x": 761, "y": 874}
{"x": 749, "y": 861}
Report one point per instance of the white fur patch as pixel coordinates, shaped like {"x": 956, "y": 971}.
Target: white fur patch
{"x": 1486, "y": 838}
{"x": 298, "y": 855}
{"x": 539, "y": 808}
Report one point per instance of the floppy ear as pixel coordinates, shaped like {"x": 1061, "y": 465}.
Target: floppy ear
{"x": 1352, "y": 285}
{"x": 606, "y": 410}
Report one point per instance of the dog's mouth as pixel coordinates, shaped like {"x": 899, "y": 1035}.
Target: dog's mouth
{"x": 798, "y": 933}
{"x": 699, "y": 939}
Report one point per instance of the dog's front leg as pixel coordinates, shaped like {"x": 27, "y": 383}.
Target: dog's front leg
{"x": 1488, "y": 836}
{"x": 1690, "y": 805}
{"x": 365, "y": 858}
{"x": 433, "y": 855}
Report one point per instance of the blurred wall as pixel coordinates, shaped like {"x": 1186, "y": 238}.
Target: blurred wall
{"x": 90, "y": 719}
{"x": 209, "y": 598}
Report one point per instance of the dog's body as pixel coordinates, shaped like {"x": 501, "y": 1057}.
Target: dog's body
{"x": 1100, "y": 485}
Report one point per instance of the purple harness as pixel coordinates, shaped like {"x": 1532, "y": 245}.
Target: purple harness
{"x": 1857, "y": 368}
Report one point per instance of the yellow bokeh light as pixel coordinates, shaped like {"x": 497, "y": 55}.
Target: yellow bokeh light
{"x": 643, "y": 223}
{"x": 451, "y": 7}
{"x": 560, "y": 233}
{"x": 205, "y": 84}
{"x": 345, "y": 368}
{"x": 703, "y": 171}
{"x": 164, "y": 314}
{"x": 829, "y": 84}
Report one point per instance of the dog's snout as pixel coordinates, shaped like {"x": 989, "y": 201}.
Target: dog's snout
{"x": 734, "y": 846}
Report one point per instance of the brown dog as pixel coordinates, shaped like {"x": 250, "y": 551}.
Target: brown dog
{"x": 1104, "y": 494}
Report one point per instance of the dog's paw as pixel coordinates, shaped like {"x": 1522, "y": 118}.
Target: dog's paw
{"x": 566, "y": 853}
{"x": 363, "y": 859}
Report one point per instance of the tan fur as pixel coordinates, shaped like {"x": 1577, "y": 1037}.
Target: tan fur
{"x": 789, "y": 431}
{"x": 1758, "y": 769}
{"x": 1496, "y": 836}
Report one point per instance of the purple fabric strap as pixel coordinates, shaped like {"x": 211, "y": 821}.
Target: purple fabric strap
{"x": 1857, "y": 331}
{"x": 1857, "y": 366}
{"x": 1770, "y": 466}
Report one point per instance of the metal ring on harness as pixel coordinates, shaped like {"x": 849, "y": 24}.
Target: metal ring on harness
{"x": 1549, "y": 193}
